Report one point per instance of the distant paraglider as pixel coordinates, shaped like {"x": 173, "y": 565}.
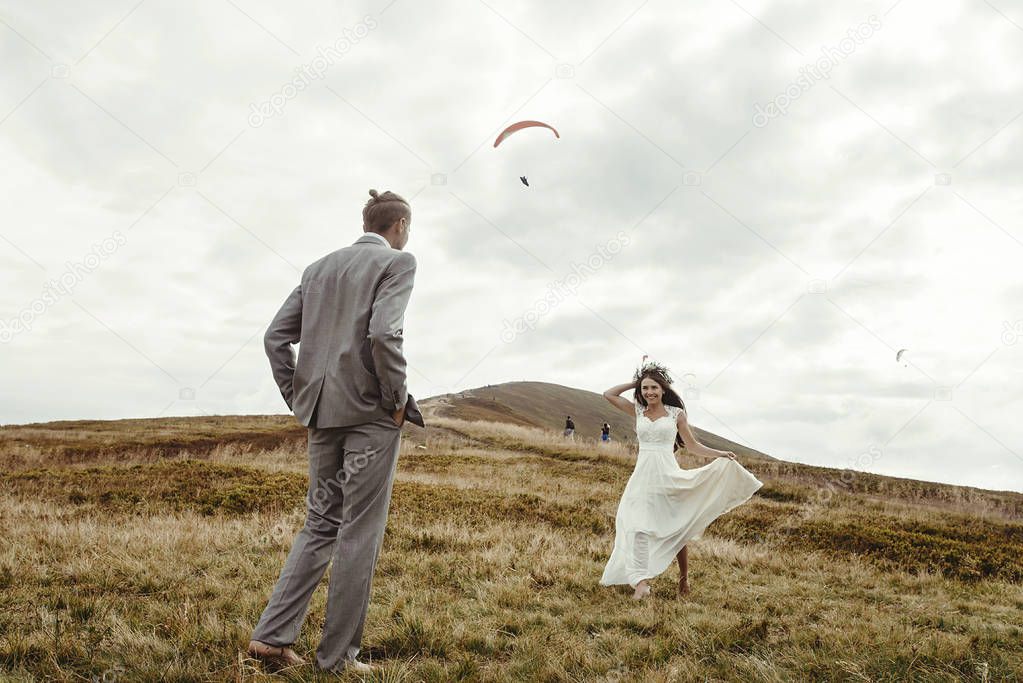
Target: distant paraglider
{"x": 899, "y": 355}
{"x": 515, "y": 127}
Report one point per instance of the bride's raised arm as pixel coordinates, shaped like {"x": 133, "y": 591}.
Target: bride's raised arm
{"x": 622, "y": 404}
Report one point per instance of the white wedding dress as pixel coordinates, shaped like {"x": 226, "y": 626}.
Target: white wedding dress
{"x": 664, "y": 507}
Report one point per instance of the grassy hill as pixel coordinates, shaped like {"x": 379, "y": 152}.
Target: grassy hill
{"x": 146, "y": 549}
{"x": 545, "y": 405}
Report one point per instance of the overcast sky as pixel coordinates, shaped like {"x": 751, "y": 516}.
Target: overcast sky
{"x": 770, "y": 198}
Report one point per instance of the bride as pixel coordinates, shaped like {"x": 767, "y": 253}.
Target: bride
{"x": 664, "y": 507}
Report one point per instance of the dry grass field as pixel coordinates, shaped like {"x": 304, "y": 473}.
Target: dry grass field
{"x": 144, "y": 550}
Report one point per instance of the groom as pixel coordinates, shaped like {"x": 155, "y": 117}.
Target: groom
{"x": 348, "y": 387}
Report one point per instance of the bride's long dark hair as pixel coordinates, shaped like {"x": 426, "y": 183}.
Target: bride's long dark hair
{"x": 669, "y": 396}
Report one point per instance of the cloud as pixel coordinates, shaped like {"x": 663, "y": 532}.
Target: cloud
{"x": 781, "y": 264}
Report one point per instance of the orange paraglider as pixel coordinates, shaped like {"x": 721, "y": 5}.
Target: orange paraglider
{"x": 519, "y": 126}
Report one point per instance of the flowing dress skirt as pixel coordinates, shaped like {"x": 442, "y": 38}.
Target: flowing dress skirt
{"x": 664, "y": 507}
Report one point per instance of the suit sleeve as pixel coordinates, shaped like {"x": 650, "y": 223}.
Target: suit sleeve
{"x": 385, "y": 330}
{"x": 284, "y": 331}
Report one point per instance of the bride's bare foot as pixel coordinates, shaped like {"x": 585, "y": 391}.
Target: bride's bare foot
{"x": 643, "y": 589}
{"x": 683, "y": 586}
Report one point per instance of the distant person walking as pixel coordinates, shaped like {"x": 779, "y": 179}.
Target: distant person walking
{"x": 569, "y": 427}
{"x": 605, "y": 432}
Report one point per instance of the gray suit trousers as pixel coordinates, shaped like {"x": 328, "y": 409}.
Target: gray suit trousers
{"x": 351, "y": 474}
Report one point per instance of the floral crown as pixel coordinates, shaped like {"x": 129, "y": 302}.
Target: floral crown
{"x": 656, "y": 367}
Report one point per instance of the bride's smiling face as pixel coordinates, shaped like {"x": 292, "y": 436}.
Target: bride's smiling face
{"x": 651, "y": 391}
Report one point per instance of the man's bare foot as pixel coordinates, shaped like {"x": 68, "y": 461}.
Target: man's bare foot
{"x": 643, "y": 590}
{"x": 274, "y": 656}
{"x": 683, "y": 586}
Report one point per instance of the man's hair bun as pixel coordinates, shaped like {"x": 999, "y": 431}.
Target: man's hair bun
{"x": 383, "y": 210}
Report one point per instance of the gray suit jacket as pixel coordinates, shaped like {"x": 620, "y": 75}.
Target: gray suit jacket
{"x": 347, "y": 316}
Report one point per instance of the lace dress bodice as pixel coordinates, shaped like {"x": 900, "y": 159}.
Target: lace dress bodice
{"x": 659, "y": 433}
